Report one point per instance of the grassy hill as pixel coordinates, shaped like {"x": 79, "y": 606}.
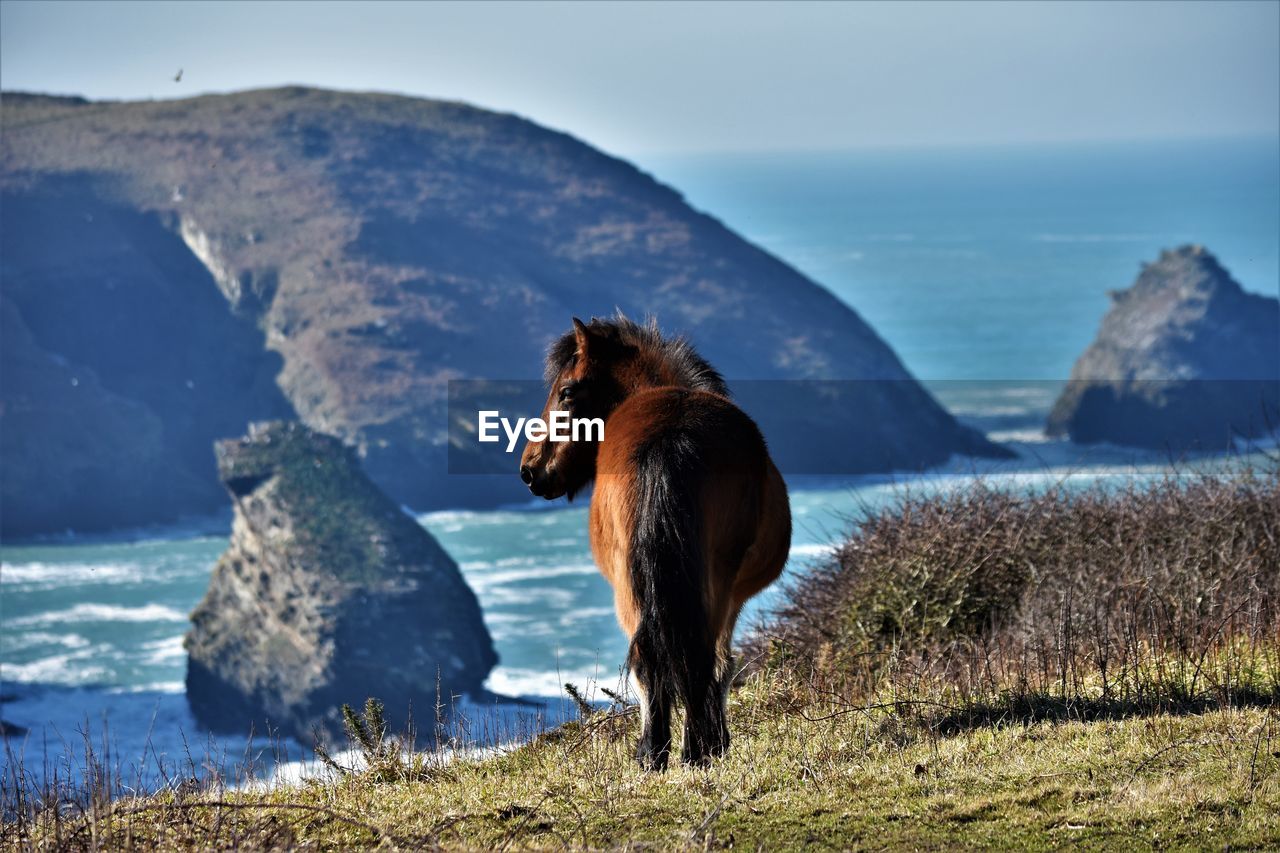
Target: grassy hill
{"x": 358, "y": 251}
{"x": 1096, "y": 669}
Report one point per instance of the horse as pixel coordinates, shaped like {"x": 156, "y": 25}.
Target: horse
{"x": 689, "y": 515}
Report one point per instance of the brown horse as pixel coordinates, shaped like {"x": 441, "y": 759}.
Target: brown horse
{"x": 689, "y": 516}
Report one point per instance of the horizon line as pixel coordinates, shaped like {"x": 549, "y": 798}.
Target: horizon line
{"x": 700, "y": 151}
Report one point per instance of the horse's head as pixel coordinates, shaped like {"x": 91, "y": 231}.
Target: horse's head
{"x": 581, "y": 370}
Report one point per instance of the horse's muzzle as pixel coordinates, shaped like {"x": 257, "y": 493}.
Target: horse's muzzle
{"x": 543, "y": 484}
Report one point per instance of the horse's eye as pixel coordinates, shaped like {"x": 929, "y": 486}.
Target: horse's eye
{"x": 566, "y": 394}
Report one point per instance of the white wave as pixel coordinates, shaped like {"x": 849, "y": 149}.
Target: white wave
{"x": 1092, "y": 238}
{"x": 515, "y": 629}
{"x": 172, "y": 687}
{"x": 551, "y": 626}
{"x": 50, "y": 575}
{"x": 487, "y": 580}
{"x": 103, "y": 613}
{"x": 25, "y": 640}
{"x": 506, "y": 618}
{"x": 1041, "y": 390}
{"x": 1023, "y": 436}
{"x": 66, "y": 668}
{"x": 548, "y": 597}
{"x": 580, "y": 613}
{"x": 812, "y": 550}
{"x": 470, "y": 517}
{"x": 165, "y": 651}
{"x": 549, "y": 684}
{"x": 992, "y": 411}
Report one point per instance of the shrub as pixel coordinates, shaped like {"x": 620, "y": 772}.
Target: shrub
{"x": 1145, "y": 595}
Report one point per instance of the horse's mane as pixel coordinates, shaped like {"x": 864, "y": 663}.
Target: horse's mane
{"x": 676, "y": 353}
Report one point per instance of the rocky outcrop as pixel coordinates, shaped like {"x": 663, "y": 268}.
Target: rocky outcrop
{"x": 1185, "y": 359}
{"x": 328, "y": 594}
{"x": 381, "y": 246}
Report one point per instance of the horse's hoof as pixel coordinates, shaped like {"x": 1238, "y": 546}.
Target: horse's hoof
{"x": 696, "y": 758}
{"x": 654, "y": 761}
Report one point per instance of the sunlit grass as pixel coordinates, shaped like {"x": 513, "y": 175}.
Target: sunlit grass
{"x": 804, "y": 769}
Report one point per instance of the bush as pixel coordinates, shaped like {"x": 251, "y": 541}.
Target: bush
{"x": 1147, "y": 595}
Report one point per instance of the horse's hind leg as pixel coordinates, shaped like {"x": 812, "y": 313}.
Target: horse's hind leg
{"x": 706, "y": 729}
{"x": 706, "y": 733}
{"x": 724, "y": 674}
{"x": 654, "y": 746}
{"x": 726, "y": 670}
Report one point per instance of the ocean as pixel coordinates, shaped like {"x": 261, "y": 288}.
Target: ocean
{"x": 986, "y": 269}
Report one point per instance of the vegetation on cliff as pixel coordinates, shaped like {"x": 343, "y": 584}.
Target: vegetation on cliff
{"x": 323, "y": 576}
{"x": 971, "y": 669}
{"x": 362, "y": 250}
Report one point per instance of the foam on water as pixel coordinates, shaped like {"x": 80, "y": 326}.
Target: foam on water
{"x": 165, "y": 651}
{"x": 88, "y": 612}
{"x": 482, "y": 581}
{"x": 813, "y": 549}
{"x": 514, "y": 681}
{"x": 77, "y": 667}
{"x": 1020, "y": 436}
{"x": 39, "y": 575}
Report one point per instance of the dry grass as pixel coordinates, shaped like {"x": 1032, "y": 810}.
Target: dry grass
{"x": 1160, "y": 597}
{"x": 805, "y": 769}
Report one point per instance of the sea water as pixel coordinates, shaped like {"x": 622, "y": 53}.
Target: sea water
{"x": 986, "y": 270}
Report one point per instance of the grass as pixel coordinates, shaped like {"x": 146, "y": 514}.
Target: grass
{"x": 342, "y": 523}
{"x": 804, "y": 770}
{"x": 1097, "y": 670}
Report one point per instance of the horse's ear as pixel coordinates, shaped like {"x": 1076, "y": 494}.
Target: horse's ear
{"x": 582, "y": 336}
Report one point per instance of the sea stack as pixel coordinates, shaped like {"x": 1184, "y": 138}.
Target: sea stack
{"x": 1185, "y": 359}
{"x": 328, "y": 594}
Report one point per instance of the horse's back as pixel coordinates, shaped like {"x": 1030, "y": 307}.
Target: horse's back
{"x": 710, "y": 445}
{"x": 704, "y": 432}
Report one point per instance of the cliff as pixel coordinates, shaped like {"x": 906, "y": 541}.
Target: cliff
{"x": 327, "y": 594}
{"x": 362, "y": 250}
{"x": 1185, "y": 358}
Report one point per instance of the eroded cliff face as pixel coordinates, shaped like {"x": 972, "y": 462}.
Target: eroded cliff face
{"x": 327, "y": 594}
{"x": 122, "y": 363}
{"x": 380, "y": 246}
{"x": 1184, "y": 359}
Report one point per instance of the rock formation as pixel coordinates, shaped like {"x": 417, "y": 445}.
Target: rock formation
{"x": 1185, "y": 359}
{"x": 328, "y": 594}
{"x": 372, "y": 248}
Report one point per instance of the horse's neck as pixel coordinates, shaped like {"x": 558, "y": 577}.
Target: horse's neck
{"x": 651, "y": 370}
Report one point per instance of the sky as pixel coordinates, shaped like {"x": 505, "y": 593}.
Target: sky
{"x": 651, "y": 78}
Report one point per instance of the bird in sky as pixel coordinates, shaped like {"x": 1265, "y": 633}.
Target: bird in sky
{"x": 177, "y": 78}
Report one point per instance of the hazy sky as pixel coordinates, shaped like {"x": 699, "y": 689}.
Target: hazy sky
{"x": 651, "y": 78}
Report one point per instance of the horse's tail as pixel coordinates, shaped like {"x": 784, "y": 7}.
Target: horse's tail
{"x": 672, "y": 651}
